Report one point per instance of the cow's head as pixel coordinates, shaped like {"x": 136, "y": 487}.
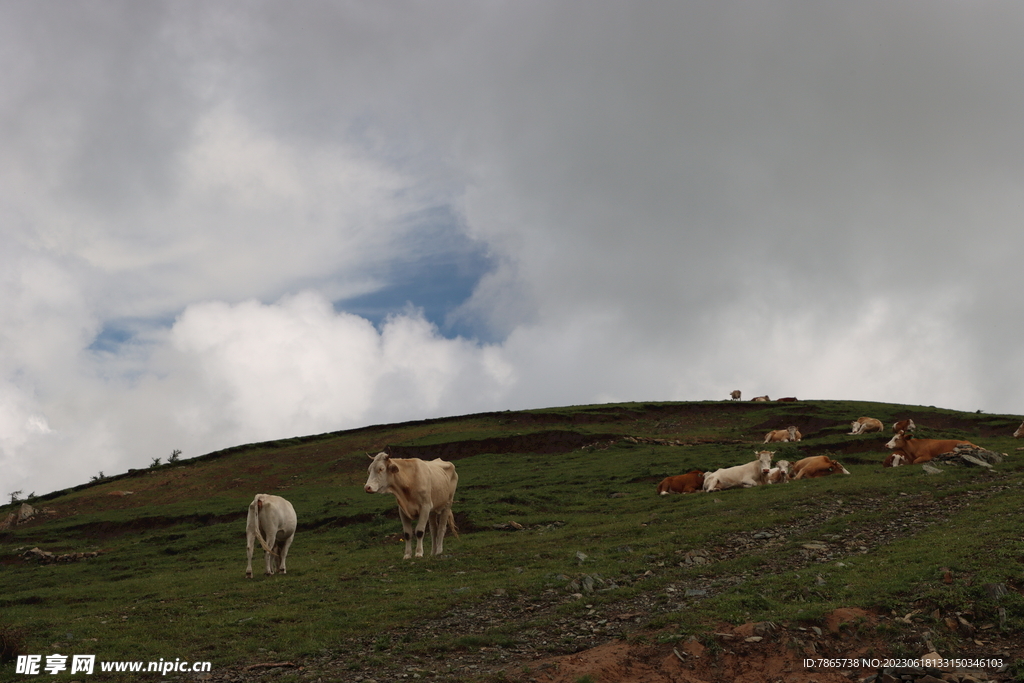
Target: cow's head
{"x": 897, "y": 441}
{"x": 765, "y": 458}
{"x": 377, "y": 473}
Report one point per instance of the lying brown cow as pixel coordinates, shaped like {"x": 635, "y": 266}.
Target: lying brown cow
{"x": 816, "y": 466}
{"x": 863, "y": 425}
{"x": 904, "y": 426}
{"x": 922, "y": 450}
{"x": 791, "y": 433}
{"x": 682, "y": 483}
{"x": 896, "y": 458}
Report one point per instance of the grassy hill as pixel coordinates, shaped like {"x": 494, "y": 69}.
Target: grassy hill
{"x": 598, "y": 554}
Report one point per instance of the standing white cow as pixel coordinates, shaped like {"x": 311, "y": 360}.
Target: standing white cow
{"x": 754, "y": 473}
{"x": 272, "y": 522}
{"x": 425, "y": 492}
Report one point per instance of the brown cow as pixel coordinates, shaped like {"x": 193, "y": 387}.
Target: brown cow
{"x": 923, "y": 450}
{"x": 735, "y": 395}
{"x": 863, "y": 425}
{"x": 682, "y": 483}
{"x": 789, "y": 434}
{"x": 896, "y": 458}
{"x": 904, "y": 426}
{"x": 425, "y": 492}
{"x": 816, "y": 466}
{"x": 788, "y": 399}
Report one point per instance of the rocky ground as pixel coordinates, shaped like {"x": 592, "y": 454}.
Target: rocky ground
{"x": 611, "y": 641}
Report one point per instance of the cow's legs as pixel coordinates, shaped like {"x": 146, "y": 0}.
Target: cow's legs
{"x": 432, "y": 526}
{"x": 271, "y": 536}
{"x": 406, "y": 534}
{"x": 250, "y": 539}
{"x": 282, "y": 551}
{"x": 421, "y": 529}
{"x": 438, "y": 527}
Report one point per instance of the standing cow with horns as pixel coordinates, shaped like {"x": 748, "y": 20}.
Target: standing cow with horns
{"x": 425, "y": 491}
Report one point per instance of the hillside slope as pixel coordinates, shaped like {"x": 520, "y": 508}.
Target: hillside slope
{"x": 563, "y": 546}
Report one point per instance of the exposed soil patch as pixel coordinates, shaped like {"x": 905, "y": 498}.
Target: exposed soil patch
{"x": 110, "y": 529}
{"x": 547, "y": 442}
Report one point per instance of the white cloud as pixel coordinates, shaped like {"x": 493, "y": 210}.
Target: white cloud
{"x": 298, "y": 366}
{"x": 676, "y": 200}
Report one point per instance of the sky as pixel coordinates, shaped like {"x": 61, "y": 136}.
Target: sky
{"x": 224, "y": 223}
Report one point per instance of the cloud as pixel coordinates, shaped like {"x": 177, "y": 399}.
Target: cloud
{"x": 269, "y": 370}
{"x": 225, "y": 225}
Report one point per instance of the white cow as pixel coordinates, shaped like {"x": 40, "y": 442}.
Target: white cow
{"x": 863, "y": 425}
{"x": 789, "y": 434}
{"x": 1020, "y": 431}
{"x": 272, "y": 522}
{"x": 425, "y": 492}
{"x": 780, "y": 473}
{"x": 753, "y": 473}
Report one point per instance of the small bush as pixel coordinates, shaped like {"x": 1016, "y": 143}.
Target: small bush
{"x": 12, "y": 643}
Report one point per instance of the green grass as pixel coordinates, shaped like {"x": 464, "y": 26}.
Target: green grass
{"x": 169, "y": 578}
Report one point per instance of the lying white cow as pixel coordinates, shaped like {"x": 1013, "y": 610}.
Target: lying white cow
{"x": 425, "y": 492}
{"x": 272, "y": 522}
{"x": 754, "y": 473}
{"x": 863, "y": 425}
{"x": 780, "y": 473}
{"x": 1020, "y": 431}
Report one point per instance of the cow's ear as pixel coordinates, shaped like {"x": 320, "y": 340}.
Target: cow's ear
{"x": 393, "y": 469}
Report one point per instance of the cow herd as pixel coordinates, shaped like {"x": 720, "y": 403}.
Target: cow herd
{"x": 425, "y": 490}
{"x": 906, "y": 450}
{"x": 757, "y": 472}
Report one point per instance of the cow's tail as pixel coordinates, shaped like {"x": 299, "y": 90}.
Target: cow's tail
{"x": 259, "y": 532}
{"x": 450, "y": 521}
